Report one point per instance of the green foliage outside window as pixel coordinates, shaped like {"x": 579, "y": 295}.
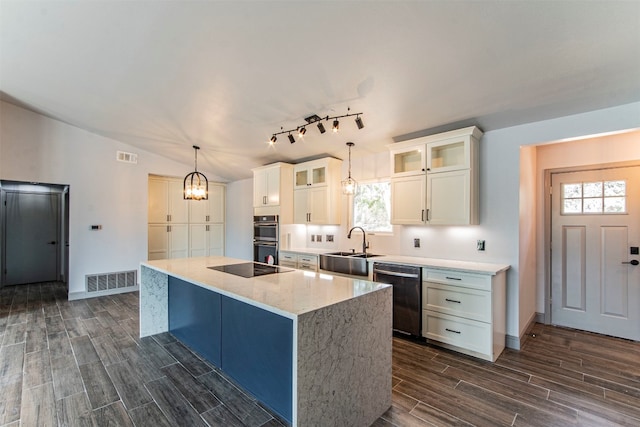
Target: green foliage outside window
{"x": 372, "y": 207}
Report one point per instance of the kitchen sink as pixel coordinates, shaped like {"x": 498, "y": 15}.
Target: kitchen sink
{"x": 341, "y": 253}
{"x": 346, "y": 263}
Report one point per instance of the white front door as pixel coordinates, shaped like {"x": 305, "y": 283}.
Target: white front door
{"x": 595, "y": 219}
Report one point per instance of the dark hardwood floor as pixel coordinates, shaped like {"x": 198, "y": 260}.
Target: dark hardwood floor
{"x": 81, "y": 363}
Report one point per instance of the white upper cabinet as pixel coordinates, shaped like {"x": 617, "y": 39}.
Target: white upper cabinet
{"x": 450, "y": 154}
{"x": 317, "y": 193}
{"x": 273, "y": 191}
{"x": 408, "y": 161}
{"x": 434, "y": 179}
{"x": 312, "y": 174}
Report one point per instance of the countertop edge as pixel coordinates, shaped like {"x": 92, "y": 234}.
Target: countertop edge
{"x": 435, "y": 263}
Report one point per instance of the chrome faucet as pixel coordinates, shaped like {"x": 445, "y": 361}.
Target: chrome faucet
{"x": 365, "y": 245}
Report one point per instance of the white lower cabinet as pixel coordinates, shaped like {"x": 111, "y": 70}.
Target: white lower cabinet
{"x": 299, "y": 261}
{"x": 465, "y": 312}
{"x": 308, "y": 262}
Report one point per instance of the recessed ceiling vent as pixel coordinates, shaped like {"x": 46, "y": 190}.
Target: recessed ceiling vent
{"x": 123, "y": 156}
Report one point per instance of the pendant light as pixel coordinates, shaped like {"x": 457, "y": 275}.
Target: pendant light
{"x": 196, "y": 185}
{"x": 349, "y": 185}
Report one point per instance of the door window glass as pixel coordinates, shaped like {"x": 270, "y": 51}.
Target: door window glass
{"x": 600, "y": 197}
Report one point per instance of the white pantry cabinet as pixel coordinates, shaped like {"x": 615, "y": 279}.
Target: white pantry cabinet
{"x": 181, "y": 228}
{"x": 273, "y": 191}
{"x": 465, "y": 312}
{"x": 441, "y": 172}
{"x": 318, "y": 200}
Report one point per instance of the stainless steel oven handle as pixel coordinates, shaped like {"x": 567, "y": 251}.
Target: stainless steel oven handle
{"x": 396, "y": 274}
{"x": 262, "y": 243}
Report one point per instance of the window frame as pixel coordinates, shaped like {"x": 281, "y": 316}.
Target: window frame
{"x": 353, "y": 208}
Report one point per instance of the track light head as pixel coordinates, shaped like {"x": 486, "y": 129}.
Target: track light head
{"x": 321, "y": 128}
{"x": 301, "y": 132}
{"x": 291, "y": 139}
{"x": 273, "y": 140}
{"x": 359, "y": 122}
{"x": 336, "y": 125}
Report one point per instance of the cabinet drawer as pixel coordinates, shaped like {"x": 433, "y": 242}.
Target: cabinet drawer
{"x": 308, "y": 267}
{"x": 468, "y": 334}
{"x": 287, "y": 264}
{"x": 286, "y": 256}
{"x": 308, "y": 259}
{"x": 450, "y": 277}
{"x": 457, "y": 301}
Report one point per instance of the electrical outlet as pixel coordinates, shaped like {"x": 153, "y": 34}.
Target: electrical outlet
{"x": 416, "y": 243}
{"x": 313, "y": 237}
{"x": 329, "y": 237}
{"x": 480, "y": 245}
{"x": 319, "y": 238}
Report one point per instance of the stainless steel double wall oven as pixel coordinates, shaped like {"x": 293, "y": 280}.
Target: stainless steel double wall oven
{"x": 266, "y": 234}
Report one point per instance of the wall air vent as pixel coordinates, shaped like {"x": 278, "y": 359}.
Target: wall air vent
{"x": 123, "y": 156}
{"x": 110, "y": 281}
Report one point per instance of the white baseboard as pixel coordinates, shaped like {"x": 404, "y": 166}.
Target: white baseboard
{"x": 73, "y": 296}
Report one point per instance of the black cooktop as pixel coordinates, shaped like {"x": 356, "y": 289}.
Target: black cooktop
{"x": 250, "y": 269}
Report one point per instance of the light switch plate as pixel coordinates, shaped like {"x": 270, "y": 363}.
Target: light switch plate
{"x": 416, "y": 243}
{"x": 480, "y": 245}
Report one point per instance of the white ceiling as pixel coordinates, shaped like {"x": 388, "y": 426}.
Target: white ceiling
{"x": 164, "y": 75}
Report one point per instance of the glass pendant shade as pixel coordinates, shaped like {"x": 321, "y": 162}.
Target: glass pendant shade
{"x": 349, "y": 185}
{"x": 196, "y": 185}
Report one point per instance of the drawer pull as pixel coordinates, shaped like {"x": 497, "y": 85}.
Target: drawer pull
{"x": 452, "y": 300}
{"x": 451, "y": 330}
{"x": 453, "y": 278}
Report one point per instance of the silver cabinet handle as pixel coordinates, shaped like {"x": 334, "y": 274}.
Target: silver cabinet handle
{"x": 428, "y": 214}
{"x": 632, "y": 262}
{"x": 453, "y": 278}
{"x": 452, "y": 300}
{"x": 422, "y": 215}
{"x": 451, "y": 330}
{"x": 167, "y": 218}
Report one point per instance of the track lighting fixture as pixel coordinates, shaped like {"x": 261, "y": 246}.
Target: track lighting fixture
{"x": 196, "y": 185}
{"x": 314, "y": 118}
{"x": 349, "y": 185}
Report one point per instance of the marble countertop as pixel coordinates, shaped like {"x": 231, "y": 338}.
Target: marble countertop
{"x": 444, "y": 264}
{"x": 288, "y": 294}
{"x": 436, "y": 263}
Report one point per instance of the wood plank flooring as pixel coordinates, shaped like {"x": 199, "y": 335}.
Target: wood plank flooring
{"x": 81, "y": 363}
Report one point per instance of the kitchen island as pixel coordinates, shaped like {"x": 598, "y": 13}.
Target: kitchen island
{"x": 314, "y": 348}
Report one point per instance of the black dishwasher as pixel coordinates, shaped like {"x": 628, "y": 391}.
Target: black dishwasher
{"x": 407, "y": 294}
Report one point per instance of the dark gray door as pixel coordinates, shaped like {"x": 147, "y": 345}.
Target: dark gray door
{"x": 32, "y": 246}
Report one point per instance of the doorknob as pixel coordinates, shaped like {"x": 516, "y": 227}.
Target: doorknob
{"x": 52, "y": 243}
{"x": 632, "y": 262}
